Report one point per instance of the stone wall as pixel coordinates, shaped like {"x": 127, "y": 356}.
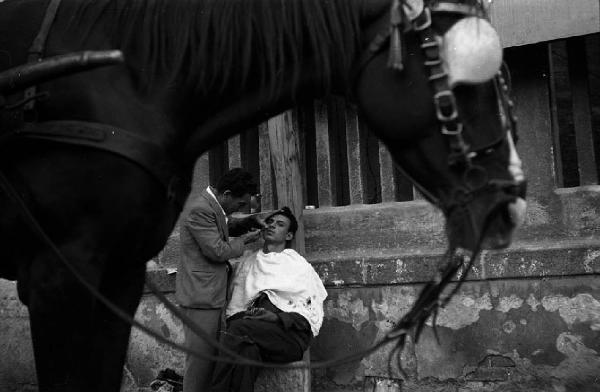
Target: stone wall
{"x": 527, "y": 319}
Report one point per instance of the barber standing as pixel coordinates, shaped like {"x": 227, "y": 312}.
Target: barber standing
{"x": 201, "y": 285}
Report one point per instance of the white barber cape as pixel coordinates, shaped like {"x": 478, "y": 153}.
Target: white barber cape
{"x": 289, "y": 281}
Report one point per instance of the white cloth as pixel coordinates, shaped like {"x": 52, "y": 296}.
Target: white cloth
{"x": 210, "y": 192}
{"x": 289, "y": 281}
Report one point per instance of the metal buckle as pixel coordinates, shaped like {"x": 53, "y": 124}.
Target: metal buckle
{"x": 446, "y": 131}
{"x": 426, "y": 22}
{"x": 438, "y": 76}
{"x": 433, "y": 63}
{"x": 464, "y": 9}
{"x": 437, "y": 98}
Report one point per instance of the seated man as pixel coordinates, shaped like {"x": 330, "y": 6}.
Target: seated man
{"x": 276, "y": 306}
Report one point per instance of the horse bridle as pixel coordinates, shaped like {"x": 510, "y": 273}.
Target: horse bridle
{"x": 461, "y": 157}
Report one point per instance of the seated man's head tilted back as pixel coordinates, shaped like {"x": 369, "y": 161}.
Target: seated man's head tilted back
{"x": 280, "y": 231}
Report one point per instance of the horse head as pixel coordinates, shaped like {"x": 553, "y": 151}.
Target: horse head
{"x": 434, "y": 92}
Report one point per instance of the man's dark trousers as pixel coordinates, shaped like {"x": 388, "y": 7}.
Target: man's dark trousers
{"x": 262, "y": 341}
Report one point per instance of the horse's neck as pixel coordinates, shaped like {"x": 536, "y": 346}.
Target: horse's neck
{"x": 253, "y": 106}
{"x": 250, "y": 109}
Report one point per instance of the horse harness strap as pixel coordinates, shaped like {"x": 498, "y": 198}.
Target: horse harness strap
{"x": 36, "y": 50}
{"x": 401, "y": 18}
{"x": 150, "y": 156}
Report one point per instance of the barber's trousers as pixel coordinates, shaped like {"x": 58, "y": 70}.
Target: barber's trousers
{"x": 198, "y": 371}
{"x": 261, "y": 341}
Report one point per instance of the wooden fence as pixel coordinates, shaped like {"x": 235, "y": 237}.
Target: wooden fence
{"x": 342, "y": 163}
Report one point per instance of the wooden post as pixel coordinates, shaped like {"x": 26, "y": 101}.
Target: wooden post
{"x": 582, "y": 113}
{"x": 529, "y": 68}
{"x": 235, "y": 156}
{"x": 355, "y": 156}
{"x": 386, "y": 173}
{"x": 264, "y": 157}
{"x": 325, "y": 181}
{"x": 285, "y": 157}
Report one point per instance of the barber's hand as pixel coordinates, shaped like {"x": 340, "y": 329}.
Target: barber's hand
{"x": 258, "y": 220}
{"x": 262, "y": 314}
{"x": 251, "y": 236}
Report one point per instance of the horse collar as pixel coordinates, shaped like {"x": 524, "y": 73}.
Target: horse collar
{"x": 146, "y": 154}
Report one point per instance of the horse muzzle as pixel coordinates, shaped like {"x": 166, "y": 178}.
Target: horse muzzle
{"x": 489, "y": 220}
{"x": 498, "y": 228}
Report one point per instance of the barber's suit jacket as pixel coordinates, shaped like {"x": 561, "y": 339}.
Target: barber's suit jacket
{"x": 205, "y": 249}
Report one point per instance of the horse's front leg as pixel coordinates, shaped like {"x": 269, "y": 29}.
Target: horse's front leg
{"x": 122, "y": 284}
{"x": 62, "y": 318}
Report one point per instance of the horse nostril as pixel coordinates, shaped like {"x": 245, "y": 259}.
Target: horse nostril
{"x": 522, "y": 189}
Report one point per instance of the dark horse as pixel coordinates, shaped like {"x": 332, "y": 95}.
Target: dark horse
{"x": 104, "y": 160}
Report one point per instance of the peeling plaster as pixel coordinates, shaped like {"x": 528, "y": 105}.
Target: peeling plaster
{"x": 572, "y": 345}
{"x": 509, "y": 326}
{"x": 401, "y": 269}
{"x": 533, "y": 302}
{"x": 579, "y": 309}
{"x": 347, "y": 310}
{"x": 580, "y": 362}
{"x": 494, "y": 291}
{"x": 508, "y": 303}
{"x": 537, "y": 214}
{"x": 591, "y": 257}
{"x": 463, "y": 310}
{"x": 146, "y": 356}
{"x": 530, "y": 267}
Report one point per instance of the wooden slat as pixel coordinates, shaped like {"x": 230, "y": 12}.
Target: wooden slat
{"x": 264, "y": 156}
{"x": 298, "y": 120}
{"x": 529, "y": 69}
{"x": 285, "y": 157}
{"x": 565, "y": 149}
{"x": 218, "y": 162}
{"x": 386, "y": 171}
{"x": 235, "y": 153}
{"x": 354, "y": 148}
{"x": 310, "y": 163}
{"x": 417, "y": 195}
{"x": 582, "y": 114}
{"x": 558, "y": 165}
{"x": 592, "y": 46}
{"x": 325, "y": 182}
{"x": 522, "y": 22}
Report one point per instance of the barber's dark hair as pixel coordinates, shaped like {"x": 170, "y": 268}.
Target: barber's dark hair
{"x": 285, "y": 211}
{"x": 238, "y": 181}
